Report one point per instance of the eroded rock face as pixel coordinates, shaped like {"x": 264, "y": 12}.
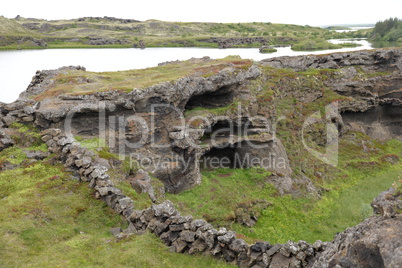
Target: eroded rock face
{"x": 148, "y": 124}
{"x": 42, "y": 80}
{"x": 388, "y": 203}
{"x": 373, "y": 81}
{"x": 376, "y": 242}
{"x": 387, "y": 58}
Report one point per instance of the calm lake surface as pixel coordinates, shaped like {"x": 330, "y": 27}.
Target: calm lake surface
{"x": 18, "y": 67}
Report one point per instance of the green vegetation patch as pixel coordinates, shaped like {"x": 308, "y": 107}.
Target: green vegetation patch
{"x": 80, "y": 82}
{"x": 222, "y": 193}
{"x": 49, "y": 220}
{"x": 268, "y": 50}
{"x": 311, "y": 45}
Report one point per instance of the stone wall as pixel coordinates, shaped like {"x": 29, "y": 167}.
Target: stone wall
{"x": 182, "y": 234}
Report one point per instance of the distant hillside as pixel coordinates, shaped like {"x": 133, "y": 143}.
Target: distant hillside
{"x": 114, "y": 32}
{"x": 14, "y": 35}
{"x": 11, "y": 27}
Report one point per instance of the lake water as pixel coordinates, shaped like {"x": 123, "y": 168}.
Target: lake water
{"x": 18, "y": 67}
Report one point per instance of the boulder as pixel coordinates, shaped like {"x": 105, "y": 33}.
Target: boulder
{"x": 141, "y": 183}
{"x": 388, "y": 203}
{"x": 5, "y": 140}
{"x": 37, "y": 155}
{"x": 376, "y": 242}
{"x": 116, "y": 231}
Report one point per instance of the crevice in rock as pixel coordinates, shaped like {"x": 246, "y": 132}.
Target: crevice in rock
{"x": 224, "y": 127}
{"x": 219, "y": 98}
{"x": 231, "y": 146}
{"x": 382, "y": 122}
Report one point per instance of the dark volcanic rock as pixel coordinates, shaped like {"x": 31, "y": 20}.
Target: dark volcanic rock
{"x": 376, "y": 243}
{"x": 99, "y": 41}
{"x": 5, "y": 140}
{"x": 388, "y": 203}
{"x": 390, "y": 59}
{"x": 373, "y": 81}
{"x": 44, "y": 79}
{"x": 37, "y": 155}
{"x": 142, "y": 184}
{"x": 233, "y": 41}
{"x": 176, "y": 163}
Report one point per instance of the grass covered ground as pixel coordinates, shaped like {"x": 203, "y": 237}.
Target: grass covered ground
{"x": 77, "y": 82}
{"x": 49, "y": 220}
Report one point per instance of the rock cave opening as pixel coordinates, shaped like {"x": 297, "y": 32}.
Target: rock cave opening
{"x": 85, "y": 124}
{"x": 220, "y": 157}
{"x": 227, "y": 148}
{"x": 219, "y": 98}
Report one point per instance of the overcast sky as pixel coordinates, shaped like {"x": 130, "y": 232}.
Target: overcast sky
{"x": 311, "y": 12}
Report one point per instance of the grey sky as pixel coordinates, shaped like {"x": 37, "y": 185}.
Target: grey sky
{"x": 311, "y": 12}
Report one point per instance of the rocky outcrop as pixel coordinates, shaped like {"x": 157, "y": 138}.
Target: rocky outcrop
{"x": 385, "y": 58}
{"x": 18, "y": 41}
{"x": 5, "y": 140}
{"x": 141, "y": 182}
{"x": 228, "y": 42}
{"x": 106, "y": 18}
{"x": 172, "y": 149}
{"x": 388, "y": 204}
{"x": 372, "y": 80}
{"x": 100, "y": 41}
{"x": 267, "y": 49}
{"x": 160, "y": 108}
{"x": 236, "y": 41}
{"x": 376, "y": 242}
{"x": 19, "y": 111}
{"x": 134, "y": 122}
{"x": 45, "y": 79}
